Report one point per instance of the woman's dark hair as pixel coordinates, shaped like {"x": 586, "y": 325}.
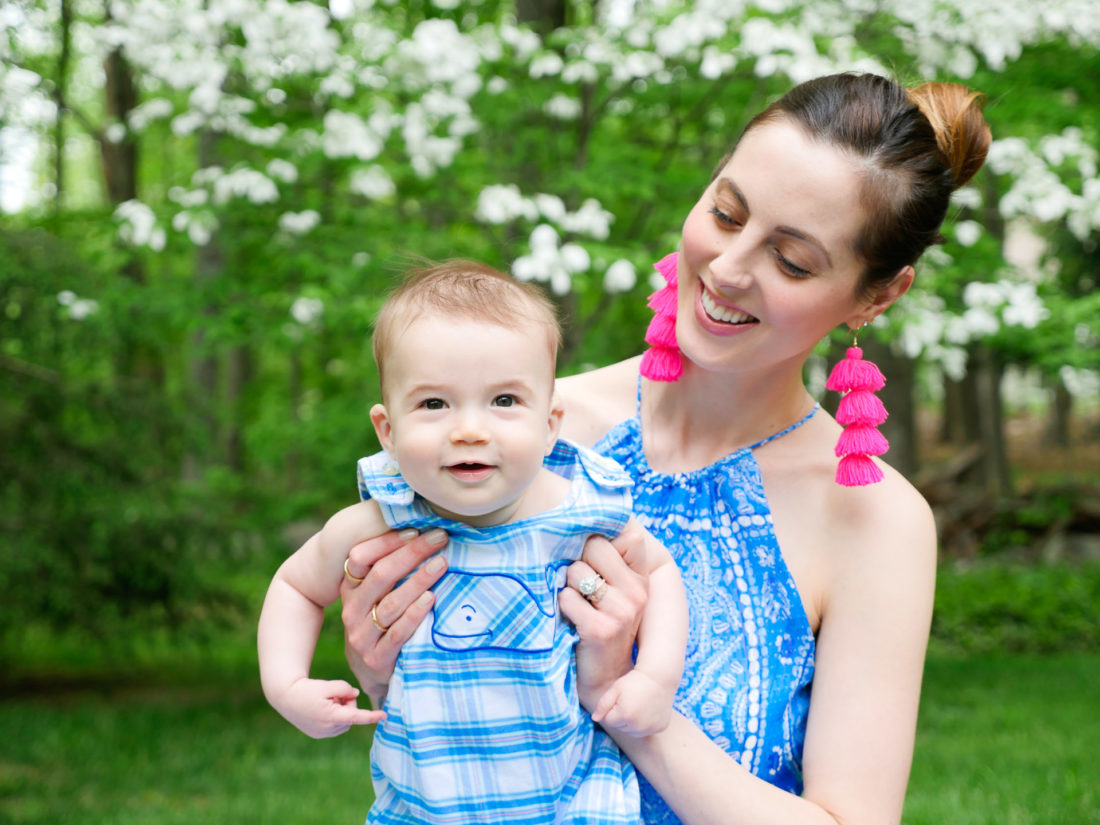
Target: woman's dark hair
{"x": 917, "y": 145}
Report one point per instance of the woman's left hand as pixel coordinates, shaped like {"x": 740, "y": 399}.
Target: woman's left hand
{"x": 607, "y": 622}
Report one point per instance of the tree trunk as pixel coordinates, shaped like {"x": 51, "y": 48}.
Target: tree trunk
{"x": 987, "y": 381}
{"x": 120, "y": 158}
{"x": 204, "y": 370}
{"x": 959, "y": 425}
{"x": 541, "y": 15}
{"x": 61, "y": 86}
{"x": 1061, "y": 411}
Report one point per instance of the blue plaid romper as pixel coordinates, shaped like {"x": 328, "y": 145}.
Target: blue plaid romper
{"x": 484, "y": 724}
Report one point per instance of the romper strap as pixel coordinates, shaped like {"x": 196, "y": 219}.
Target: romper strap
{"x": 781, "y": 433}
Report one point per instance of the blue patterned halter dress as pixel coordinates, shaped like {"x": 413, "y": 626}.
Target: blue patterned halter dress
{"x": 750, "y": 651}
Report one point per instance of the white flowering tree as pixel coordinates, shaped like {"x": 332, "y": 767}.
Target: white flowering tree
{"x": 241, "y": 179}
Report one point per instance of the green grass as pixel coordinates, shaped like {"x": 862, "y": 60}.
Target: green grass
{"x": 212, "y": 755}
{"x": 1003, "y": 740}
{"x": 1008, "y": 740}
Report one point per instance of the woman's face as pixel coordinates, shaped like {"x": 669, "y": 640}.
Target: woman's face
{"x": 767, "y": 265}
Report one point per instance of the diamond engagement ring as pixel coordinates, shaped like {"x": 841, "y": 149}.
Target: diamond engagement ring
{"x": 592, "y": 588}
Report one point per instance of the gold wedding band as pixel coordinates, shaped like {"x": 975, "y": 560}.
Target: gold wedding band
{"x": 356, "y": 579}
{"x": 374, "y": 618}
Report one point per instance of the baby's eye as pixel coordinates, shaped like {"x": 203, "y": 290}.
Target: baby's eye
{"x": 433, "y": 404}
{"x": 505, "y": 400}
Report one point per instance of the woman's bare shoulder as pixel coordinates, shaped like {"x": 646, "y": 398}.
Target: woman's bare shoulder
{"x": 597, "y": 400}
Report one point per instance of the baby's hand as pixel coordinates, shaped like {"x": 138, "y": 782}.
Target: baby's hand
{"x": 322, "y": 709}
{"x": 635, "y": 704}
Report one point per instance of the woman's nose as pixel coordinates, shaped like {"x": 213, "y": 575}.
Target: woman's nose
{"x": 734, "y": 265}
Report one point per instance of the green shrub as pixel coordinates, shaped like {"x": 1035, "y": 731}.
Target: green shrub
{"x": 989, "y": 606}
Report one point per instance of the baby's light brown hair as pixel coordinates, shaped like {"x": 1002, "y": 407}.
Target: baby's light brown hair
{"x": 468, "y": 290}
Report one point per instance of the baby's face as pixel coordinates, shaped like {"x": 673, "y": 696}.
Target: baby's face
{"x": 468, "y": 414}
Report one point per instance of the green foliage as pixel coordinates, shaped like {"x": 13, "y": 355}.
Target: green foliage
{"x": 97, "y": 525}
{"x": 987, "y": 607}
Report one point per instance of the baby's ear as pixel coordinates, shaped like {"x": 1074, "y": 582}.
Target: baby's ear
{"x": 553, "y": 423}
{"x": 381, "y": 421}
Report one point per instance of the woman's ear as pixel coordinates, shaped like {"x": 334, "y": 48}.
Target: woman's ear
{"x": 883, "y": 299}
{"x": 381, "y": 421}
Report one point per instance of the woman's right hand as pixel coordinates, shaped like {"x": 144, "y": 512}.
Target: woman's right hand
{"x": 379, "y": 617}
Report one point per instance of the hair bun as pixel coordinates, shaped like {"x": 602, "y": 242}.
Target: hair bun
{"x": 962, "y": 134}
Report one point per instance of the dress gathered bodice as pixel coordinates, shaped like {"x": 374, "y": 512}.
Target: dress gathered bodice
{"x": 750, "y": 654}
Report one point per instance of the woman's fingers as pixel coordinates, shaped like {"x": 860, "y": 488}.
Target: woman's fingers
{"x": 379, "y": 617}
{"x": 605, "y": 559}
{"x": 363, "y": 555}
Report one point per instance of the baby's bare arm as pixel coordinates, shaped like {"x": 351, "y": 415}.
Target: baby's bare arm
{"x": 290, "y": 623}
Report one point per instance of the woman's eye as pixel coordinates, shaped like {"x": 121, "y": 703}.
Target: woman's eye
{"x": 433, "y": 404}
{"x": 723, "y": 218}
{"x": 504, "y": 400}
{"x": 790, "y": 267}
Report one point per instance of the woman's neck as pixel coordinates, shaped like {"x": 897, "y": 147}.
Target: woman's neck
{"x": 704, "y": 416}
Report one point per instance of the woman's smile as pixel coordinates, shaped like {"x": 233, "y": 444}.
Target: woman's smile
{"x": 724, "y": 314}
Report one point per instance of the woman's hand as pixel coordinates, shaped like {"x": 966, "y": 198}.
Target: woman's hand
{"x": 607, "y": 622}
{"x": 378, "y": 617}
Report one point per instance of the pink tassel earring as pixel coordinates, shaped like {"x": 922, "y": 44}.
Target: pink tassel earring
{"x": 662, "y": 361}
{"x": 860, "y": 413}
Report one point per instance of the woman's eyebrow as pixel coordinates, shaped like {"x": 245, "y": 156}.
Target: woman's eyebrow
{"x": 810, "y": 239}
{"x": 786, "y": 230}
{"x": 733, "y": 190}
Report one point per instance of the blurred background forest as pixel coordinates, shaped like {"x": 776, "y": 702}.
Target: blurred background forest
{"x": 204, "y": 202}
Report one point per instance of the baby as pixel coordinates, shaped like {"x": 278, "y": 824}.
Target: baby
{"x": 481, "y": 721}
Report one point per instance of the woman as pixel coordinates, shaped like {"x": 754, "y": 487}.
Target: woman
{"x": 803, "y": 672}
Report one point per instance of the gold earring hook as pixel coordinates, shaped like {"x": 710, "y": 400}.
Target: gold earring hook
{"x": 855, "y": 333}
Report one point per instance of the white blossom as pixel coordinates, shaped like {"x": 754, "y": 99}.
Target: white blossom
{"x": 550, "y": 263}
{"x": 299, "y": 223}
{"x": 138, "y": 225}
{"x": 348, "y": 135}
{"x": 500, "y": 204}
{"x": 546, "y": 64}
{"x": 373, "y": 182}
{"x": 145, "y": 113}
{"x": 563, "y": 107}
{"x": 967, "y": 233}
{"x": 551, "y": 207}
{"x": 620, "y": 276}
{"x": 591, "y": 219}
{"x": 306, "y": 310}
{"x": 77, "y": 308}
{"x": 1082, "y": 384}
{"x": 243, "y": 182}
{"x": 523, "y": 41}
{"x": 282, "y": 170}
